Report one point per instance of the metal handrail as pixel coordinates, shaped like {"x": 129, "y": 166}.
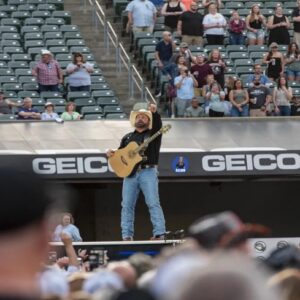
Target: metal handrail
{"x": 110, "y": 37}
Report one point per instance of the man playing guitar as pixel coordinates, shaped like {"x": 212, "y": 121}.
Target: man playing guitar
{"x": 144, "y": 177}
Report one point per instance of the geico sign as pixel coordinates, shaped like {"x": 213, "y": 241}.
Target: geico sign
{"x": 70, "y": 165}
{"x": 249, "y": 162}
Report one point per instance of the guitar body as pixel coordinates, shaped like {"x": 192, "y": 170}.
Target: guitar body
{"x": 124, "y": 160}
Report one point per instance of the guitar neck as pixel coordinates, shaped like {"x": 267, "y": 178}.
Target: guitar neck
{"x": 148, "y": 141}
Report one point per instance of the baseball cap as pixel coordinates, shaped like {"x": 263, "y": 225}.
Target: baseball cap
{"x": 49, "y": 104}
{"x": 183, "y": 45}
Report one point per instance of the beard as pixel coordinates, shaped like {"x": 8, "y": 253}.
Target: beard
{"x": 140, "y": 124}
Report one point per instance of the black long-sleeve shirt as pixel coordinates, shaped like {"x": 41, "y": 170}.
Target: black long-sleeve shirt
{"x": 152, "y": 151}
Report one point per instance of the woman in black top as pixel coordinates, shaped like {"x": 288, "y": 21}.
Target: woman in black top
{"x": 218, "y": 66}
{"x": 279, "y": 25}
{"x": 171, "y": 10}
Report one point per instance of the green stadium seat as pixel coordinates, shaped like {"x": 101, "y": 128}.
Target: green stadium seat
{"x": 208, "y": 48}
{"x": 13, "y": 50}
{"x": 10, "y": 94}
{"x": 290, "y": 4}
{"x": 226, "y": 12}
{"x": 59, "y": 109}
{"x": 57, "y": 50}
{"x": 76, "y": 42}
{"x": 31, "y": 94}
{"x": 33, "y": 36}
{"x": 21, "y": 57}
{"x": 272, "y": 4}
{"x": 10, "y": 29}
{"x": 267, "y": 12}
{"x": 16, "y": 87}
{"x": 33, "y": 21}
{"x": 27, "y": 29}
{"x": 5, "y": 57}
{"x": 244, "y": 12}
{"x": 97, "y": 72}
{"x": 84, "y": 102}
{"x": 6, "y": 72}
{"x": 64, "y": 64}
{"x": 62, "y": 56}
{"x": 97, "y": 79}
{"x": 116, "y": 116}
{"x": 18, "y": 64}
{"x": 69, "y": 28}
{"x": 10, "y": 36}
{"x": 53, "y": 95}
{"x": 21, "y": 15}
{"x": 59, "y": 4}
{"x": 8, "y": 8}
{"x": 52, "y": 35}
{"x": 110, "y": 109}
{"x": 30, "y": 86}
{"x": 26, "y": 7}
{"x": 93, "y": 117}
{"x": 57, "y": 101}
{"x": 55, "y": 21}
{"x": 56, "y": 42}
{"x": 16, "y": 2}
{"x": 46, "y": 7}
{"x": 83, "y": 49}
{"x": 7, "y": 117}
{"x": 90, "y": 110}
{"x": 49, "y": 28}
{"x": 33, "y": 43}
{"x": 107, "y": 101}
{"x": 38, "y": 102}
{"x": 72, "y": 35}
{"x": 234, "y": 5}
{"x": 27, "y": 79}
{"x": 236, "y": 48}
{"x": 257, "y": 48}
{"x": 41, "y": 14}
{"x": 99, "y": 86}
{"x": 8, "y": 79}
{"x": 10, "y": 43}
{"x": 40, "y": 108}
{"x": 4, "y": 14}
{"x": 103, "y": 94}
{"x": 238, "y": 55}
{"x": 256, "y": 55}
{"x": 10, "y": 22}
{"x": 243, "y": 62}
{"x": 74, "y": 95}
{"x": 244, "y": 70}
{"x": 66, "y": 15}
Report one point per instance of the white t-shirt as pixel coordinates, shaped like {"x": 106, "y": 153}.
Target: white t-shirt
{"x": 211, "y": 19}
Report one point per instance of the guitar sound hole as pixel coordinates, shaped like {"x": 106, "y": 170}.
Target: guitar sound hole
{"x": 124, "y": 161}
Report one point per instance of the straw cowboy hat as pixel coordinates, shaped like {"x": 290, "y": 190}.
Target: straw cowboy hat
{"x": 134, "y": 113}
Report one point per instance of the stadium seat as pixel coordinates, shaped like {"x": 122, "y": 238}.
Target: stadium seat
{"x": 6, "y": 72}
{"x": 33, "y": 43}
{"x": 99, "y": 86}
{"x": 27, "y": 29}
{"x": 66, "y": 15}
{"x": 93, "y": 116}
{"x": 55, "y": 42}
{"x": 27, "y": 79}
{"x": 69, "y": 28}
{"x": 33, "y": 36}
{"x": 10, "y": 36}
{"x": 108, "y": 109}
{"x": 81, "y": 49}
{"x": 16, "y": 87}
{"x": 46, "y": 95}
{"x": 8, "y": 79}
{"x": 41, "y": 14}
{"x": 54, "y": 21}
{"x": 74, "y": 95}
{"x": 46, "y": 7}
{"x": 59, "y": 109}
{"x": 84, "y": 102}
{"x": 107, "y": 101}
{"x": 116, "y": 116}
{"x": 49, "y": 28}
{"x": 5, "y": 57}
{"x": 7, "y": 117}
{"x": 52, "y": 35}
{"x": 10, "y": 22}
{"x": 30, "y": 87}
{"x": 90, "y": 110}
{"x": 57, "y": 50}
{"x": 72, "y": 35}
{"x": 243, "y": 62}
{"x": 38, "y": 101}
{"x": 34, "y": 21}
{"x": 18, "y": 65}
{"x": 102, "y": 94}
{"x": 21, "y": 15}
{"x": 31, "y": 94}
{"x": 75, "y": 43}
{"x": 26, "y": 7}
{"x": 59, "y": 4}
{"x": 97, "y": 79}
{"x": 57, "y": 101}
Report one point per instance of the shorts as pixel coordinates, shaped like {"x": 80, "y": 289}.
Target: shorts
{"x": 292, "y": 73}
{"x": 260, "y": 34}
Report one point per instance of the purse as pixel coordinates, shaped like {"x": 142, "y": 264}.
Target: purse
{"x": 171, "y": 91}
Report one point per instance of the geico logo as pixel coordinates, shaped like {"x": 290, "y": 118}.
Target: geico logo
{"x": 249, "y": 162}
{"x": 70, "y": 165}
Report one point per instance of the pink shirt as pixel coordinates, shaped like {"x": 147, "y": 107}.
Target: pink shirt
{"x": 47, "y": 74}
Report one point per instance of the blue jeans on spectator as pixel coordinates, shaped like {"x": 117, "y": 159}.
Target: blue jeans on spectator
{"x": 48, "y": 88}
{"x": 82, "y": 88}
{"x": 146, "y": 181}
{"x": 236, "y": 39}
{"x": 236, "y": 113}
{"x": 284, "y": 110}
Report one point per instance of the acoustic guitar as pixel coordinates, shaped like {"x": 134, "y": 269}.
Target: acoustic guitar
{"x": 126, "y": 159}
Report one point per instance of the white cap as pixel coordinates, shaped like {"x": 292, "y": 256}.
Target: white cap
{"x": 45, "y": 51}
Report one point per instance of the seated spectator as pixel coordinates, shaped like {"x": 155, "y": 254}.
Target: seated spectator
{"x": 171, "y": 10}
{"x": 278, "y": 26}
{"x": 200, "y": 71}
{"x": 275, "y": 61}
{"x": 185, "y": 84}
{"x": 292, "y": 62}
{"x": 295, "y": 106}
{"x": 236, "y": 27}
{"x": 66, "y": 226}
{"x": 27, "y": 112}
{"x": 79, "y": 71}
{"x": 49, "y": 113}
{"x": 282, "y": 96}
{"x": 215, "y": 98}
{"x": 255, "y": 23}
{"x": 240, "y": 100}
{"x": 70, "y": 114}
{"x": 259, "y": 98}
{"x": 186, "y": 53}
{"x": 194, "y": 110}
{"x": 217, "y": 65}
{"x": 190, "y": 26}
{"x": 6, "y": 104}
{"x": 258, "y": 74}
{"x": 172, "y": 70}
{"x": 207, "y": 3}
{"x": 214, "y": 26}
{"x": 48, "y": 73}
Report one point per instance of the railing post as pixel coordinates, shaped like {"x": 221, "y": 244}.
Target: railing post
{"x": 130, "y": 81}
{"x": 143, "y": 91}
{"x": 106, "y": 37}
{"x": 118, "y": 57}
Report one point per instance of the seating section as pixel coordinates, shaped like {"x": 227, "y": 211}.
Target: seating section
{"x": 28, "y": 26}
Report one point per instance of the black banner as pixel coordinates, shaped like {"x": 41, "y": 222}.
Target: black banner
{"x": 172, "y": 164}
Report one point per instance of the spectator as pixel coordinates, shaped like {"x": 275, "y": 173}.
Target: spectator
{"x": 164, "y": 50}
{"x": 229, "y": 85}
{"x": 207, "y": 3}
{"x": 141, "y": 15}
{"x": 236, "y": 27}
{"x": 264, "y": 80}
{"x": 185, "y": 84}
{"x": 259, "y": 98}
{"x": 282, "y": 96}
{"x": 171, "y": 10}
{"x": 190, "y": 26}
{"x": 172, "y": 70}
{"x": 214, "y": 26}
{"x": 49, "y": 113}
{"x": 70, "y": 114}
{"x": 27, "y": 112}
{"x": 48, "y": 73}
{"x": 200, "y": 70}
{"x": 218, "y": 66}
{"x": 6, "y": 104}
{"x": 275, "y": 61}
{"x": 292, "y": 62}
{"x": 296, "y": 20}
{"x": 215, "y": 100}
{"x": 240, "y": 100}
{"x": 186, "y": 53}
{"x": 66, "y": 226}
{"x": 79, "y": 73}
{"x": 255, "y": 22}
{"x": 208, "y": 80}
{"x": 194, "y": 110}
{"x": 295, "y": 106}
{"x": 278, "y": 25}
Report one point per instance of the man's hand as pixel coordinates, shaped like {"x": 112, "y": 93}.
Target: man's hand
{"x": 66, "y": 239}
{"x": 110, "y": 153}
{"x": 82, "y": 254}
{"x": 153, "y": 107}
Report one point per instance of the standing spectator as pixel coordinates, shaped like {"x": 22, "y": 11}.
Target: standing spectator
{"x": 240, "y": 100}
{"x": 282, "y": 96}
{"x": 66, "y": 226}
{"x": 278, "y": 25}
{"x": 218, "y": 66}
{"x": 48, "y": 73}
{"x": 215, "y": 100}
{"x": 185, "y": 84}
{"x": 259, "y": 98}
{"x": 236, "y": 27}
{"x": 49, "y": 113}
{"x": 207, "y": 3}
{"x": 186, "y": 53}
{"x": 264, "y": 80}
{"x": 292, "y": 62}
{"x": 27, "y": 112}
{"x": 79, "y": 73}
{"x": 172, "y": 70}
{"x": 171, "y": 10}
{"x": 190, "y": 26}
{"x": 141, "y": 15}
{"x": 275, "y": 61}
{"x": 6, "y": 104}
{"x": 255, "y": 22}
{"x": 164, "y": 50}
{"x": 214, "y": 25}
{"x": 70, "y": 114}
{"x": 296, "y": 20}
{"x": 208, "y": 82}
{"x": 194, "y": 110}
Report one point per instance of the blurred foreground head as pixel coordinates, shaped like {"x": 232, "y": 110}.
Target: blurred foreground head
{"x": 224, "y": 230}
{"x": 26, "y": 201}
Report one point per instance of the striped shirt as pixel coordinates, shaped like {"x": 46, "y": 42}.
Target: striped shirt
{"x": 47, "y": 74}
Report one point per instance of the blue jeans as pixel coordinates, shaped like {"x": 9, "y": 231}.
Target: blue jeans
{"x": 82, "y": 88}
{"x": 236, "y": 113}
{"x": 48, "y": 88}
{"x": 146, "y": 181}
{"x": 284, "y": 110}
{"x": 236, "y": 39}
